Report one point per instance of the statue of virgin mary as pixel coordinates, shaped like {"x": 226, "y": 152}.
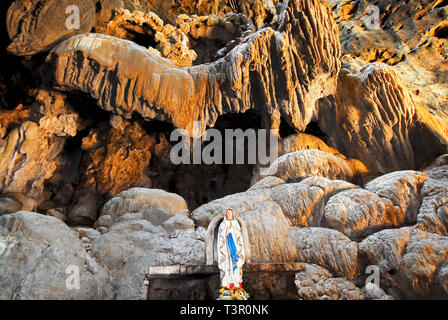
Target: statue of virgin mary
{"x": 230, "y": 252}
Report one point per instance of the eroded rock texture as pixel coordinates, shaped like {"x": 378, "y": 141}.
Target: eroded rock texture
{"x": 335, "y": 225}
{"x": 35, "y": 249}
{"x": 433, "y": 215}
{"x": 126, "y": 78}
{"x": 411, "y": 261}
{"x": 295, "y": 166}
{"x": 194, "y": 40}
{"x": 35, "y": 252}
{"x": 109, "y": 166}
{"x": 361, "y": 179}
{"x": 27, "y": 21}
{"x": 143, "y": 227}
{"x": 30, "y": 152}
{"x": 379, "y": 123}
{"x": 412, "y": 36}
{"x": 317, "y": 283}
{"x": 30, "y": 31}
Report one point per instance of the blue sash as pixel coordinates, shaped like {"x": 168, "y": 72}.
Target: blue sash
{"x": 232, "y": 247}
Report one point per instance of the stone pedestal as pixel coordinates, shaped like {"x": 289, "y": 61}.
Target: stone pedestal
{"x": 261, "y": 281}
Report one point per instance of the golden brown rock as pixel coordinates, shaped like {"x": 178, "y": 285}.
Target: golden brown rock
{"x": 36, "y": 26}
{"x": 192, "y": 40}
{"x": 125, "y": 78}
{"x": 376, "y": 120}
{"x": 299, "y": 165}
{"x": 303, "y": 141}
{"x": 412, "y": 36}
{"x": 116, "y": 159}
{"x": 260, "y": 11}
{"x": 412, "y": 262}
{"x": 27, "y": 159}
{"x": 12, "y": 118}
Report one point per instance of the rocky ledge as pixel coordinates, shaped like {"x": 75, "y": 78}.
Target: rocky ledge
{"x": 359, "y": 188}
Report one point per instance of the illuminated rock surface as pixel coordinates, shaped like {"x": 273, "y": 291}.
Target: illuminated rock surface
{"x": 86, "y": 176}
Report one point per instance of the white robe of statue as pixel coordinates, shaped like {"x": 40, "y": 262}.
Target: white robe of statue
{"x": 230, "y": 272}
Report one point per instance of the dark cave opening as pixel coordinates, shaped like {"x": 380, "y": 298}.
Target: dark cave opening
{"x": 154, "y": 127}
{"x": 64, "y": 183}
{"x": 71, "y": 157}
{"x": 234, "y": 121}
{"x": 247, "y": 120}
{"x": 206, "y": 49}
{"x": 285, "y": 129}
{"x": 142, "y": 35}
{"x": 425, "y": 153}
{"x": 441, "y": 32}
{"x": 268, "y": 19}
{"x": 98, "y": 7}
{"x": 87, "y": 108}
{"x": 143, "y": 39}
{"x": 314, "y": 130}
{"x": 392, "y": 272}
{"x": 18, "y": 75}
{"x": 201, "y": 183}
{"x": 172, "y": 186}
{"x": 441, "y": 4}
{"x": 61, "y": 186}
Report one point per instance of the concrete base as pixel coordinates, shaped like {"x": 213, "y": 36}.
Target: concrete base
{"x": 261, "y": 281}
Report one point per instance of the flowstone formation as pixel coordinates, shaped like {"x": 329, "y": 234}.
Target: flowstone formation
{"x": 412, "y": 36}
{"x": 86, "y": 116}
{"x": 125, "y": 78}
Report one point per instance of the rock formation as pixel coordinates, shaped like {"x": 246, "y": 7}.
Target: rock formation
{"x": 379, "y": 123}
{"x": 28, "y": 26}
{"x": 37, "y": 249}
{"x": 411, "y": 36}
{"x": 296, "y": 166}
{"x": 317, "y": 283}
{"x": 87, "y": 112}
{"x": 142, "y": 228}
{"x": 126, "y": 78}
{"x": 411, "y": 261}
